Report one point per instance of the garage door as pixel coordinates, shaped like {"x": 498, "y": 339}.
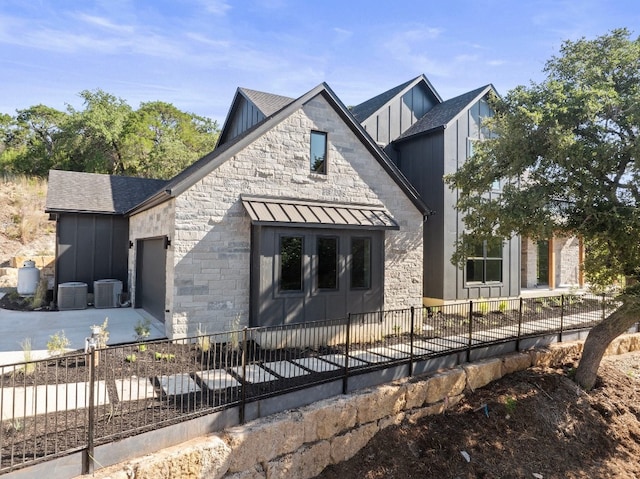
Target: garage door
{"x": 151, "y": 276}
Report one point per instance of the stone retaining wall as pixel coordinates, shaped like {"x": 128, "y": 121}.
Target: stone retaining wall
{"x": 300, "y": 443}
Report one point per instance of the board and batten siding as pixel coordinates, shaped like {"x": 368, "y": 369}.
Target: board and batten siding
{"x": 425, "y": 159}
{"x": 91, "y": 247}
{"x": 466, "y": 127}
{"x": 394, "y": 118}
{"x": 213, "y": 232}
{"x": 245, "y": 116}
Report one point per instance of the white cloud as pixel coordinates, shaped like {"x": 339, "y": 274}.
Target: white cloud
{"x": 411, "y": 47}
{"x": 215, "y": 7}
{"x": 341, "y": 35}
{"x": 104, "y": 23}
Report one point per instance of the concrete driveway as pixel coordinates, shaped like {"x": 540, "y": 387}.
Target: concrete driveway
{"x": 39, "y": 326}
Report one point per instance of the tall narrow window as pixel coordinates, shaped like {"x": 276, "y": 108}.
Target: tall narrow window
{"x": 319, "y": 152}
{"x": 360, "y": 263}
{"x": 327, "y": 263}
{"x": 484, "y": 265}
{"x": 291, "y": 263}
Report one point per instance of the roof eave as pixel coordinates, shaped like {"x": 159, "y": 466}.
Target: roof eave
{"x": 79, "y": 211}
{"x": 430, "y": 131}
{"x": 154, "y": 200}
{"x": 476, "y": 98}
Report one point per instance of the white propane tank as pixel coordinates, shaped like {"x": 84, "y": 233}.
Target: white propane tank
{"x": 28, "y": 278}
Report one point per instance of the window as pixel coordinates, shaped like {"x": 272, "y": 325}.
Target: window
{"x": 327, "y": 262}
{"x": 291, "y": 263}
{"x": 360, "y": 263}
{"x": 485, "y": 263}
{"x": 319, "y": 152}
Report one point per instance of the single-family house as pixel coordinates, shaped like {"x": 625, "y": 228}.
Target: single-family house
{"x": 428, "y": 138}
{"x": 297, "y": 215}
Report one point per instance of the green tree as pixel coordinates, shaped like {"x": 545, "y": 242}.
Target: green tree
{"x": 160, "y": 140}
{"x": 105, "y": 136}
{"x": 94, "y": 137}
{"x": 567, "y": 149}
{"x": 31, "y": 139}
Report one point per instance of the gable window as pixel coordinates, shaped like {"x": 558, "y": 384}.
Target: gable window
{"x": 360, "y": 263}
{"x": 318, "y": 152}
{"x": 291, "y": 263}
{"x": 327, "y": 262}
{"x": 485, "y": 263}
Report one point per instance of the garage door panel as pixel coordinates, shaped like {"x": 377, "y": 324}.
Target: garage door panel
{"x": 151, "y": 276}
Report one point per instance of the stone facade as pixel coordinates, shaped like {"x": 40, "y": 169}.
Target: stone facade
{"x": 208, "y": 272}
{"x": 567, "y": 261}
{"x": 567, "y": 265}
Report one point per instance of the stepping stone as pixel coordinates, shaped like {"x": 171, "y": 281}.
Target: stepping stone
{"x": 316, "y": 364}
{"x": 286, "y": 369}
{"x": 389, "y": 352}
{"x": 178, "y": 384}
{"x": 340, "y": 360}
{"x": 368, "y": 357}
{"x": 29, "y": 401}
{"x": 255, "y": 374}
{"x": 406, "y": 348}
{"x": 217, "y": 379}
{"x": 135, "y": 388}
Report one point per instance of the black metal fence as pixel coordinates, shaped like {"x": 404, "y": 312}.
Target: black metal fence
{"x": 74, "y": 402}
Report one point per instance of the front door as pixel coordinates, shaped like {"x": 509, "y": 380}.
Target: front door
{"x": 543, "y": 263}
{"x": 308, "y": 274}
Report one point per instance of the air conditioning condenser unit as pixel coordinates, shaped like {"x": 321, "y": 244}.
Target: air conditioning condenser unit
{"x": 106, "y": 293}
{"x": 72, "y": 295}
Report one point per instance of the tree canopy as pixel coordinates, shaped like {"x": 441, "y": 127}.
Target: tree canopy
{"x": 106, "y": 136}
{"x": 566, "y": 152}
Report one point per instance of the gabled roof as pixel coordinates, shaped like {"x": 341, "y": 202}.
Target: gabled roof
{"x": 441, "y": 115}
{"x": 76, "y": 192}
{"x": 364, "y": 110}
{"x": 265, "y": 103}
{"x": 222, "y": 153}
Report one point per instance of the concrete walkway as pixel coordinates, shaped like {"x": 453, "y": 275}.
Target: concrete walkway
{"x": 39, "y": 326}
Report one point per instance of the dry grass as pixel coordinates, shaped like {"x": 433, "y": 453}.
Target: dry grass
{"x": 22, "y": 201}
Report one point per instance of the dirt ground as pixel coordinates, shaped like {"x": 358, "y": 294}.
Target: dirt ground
{"x": 534, "y": 424}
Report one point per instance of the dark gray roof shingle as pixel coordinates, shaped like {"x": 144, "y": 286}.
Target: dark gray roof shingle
{"x": 441, "y": 114}
{"x": 267, "y": 103}
{"x": 73, "y": 191}
{"x": 365, "y": 109}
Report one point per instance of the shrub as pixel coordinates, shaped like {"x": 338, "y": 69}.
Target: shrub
{"x": 57, "y": 343}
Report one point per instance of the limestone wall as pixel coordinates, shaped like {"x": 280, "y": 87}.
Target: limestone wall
{"x": 302, "y": 442}
{"x": 212, "y": 230}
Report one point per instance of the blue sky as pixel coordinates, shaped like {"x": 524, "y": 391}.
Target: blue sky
{"x": 195, "y": 53}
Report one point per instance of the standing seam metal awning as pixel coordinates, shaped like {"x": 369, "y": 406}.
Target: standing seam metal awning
{"x": 314, "y": 214}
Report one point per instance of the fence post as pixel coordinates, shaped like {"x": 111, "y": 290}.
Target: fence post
{"x": 561, "y": 316}
{"x": 470, "y": 339}
{"x": 90, "y": 358}
{"x": 243, "y": 397}
{"x": 411, "y": 338}
{"x": 521, "y": 309}
{"x": 345, "y": 378}
{"x": 603, "y": 307}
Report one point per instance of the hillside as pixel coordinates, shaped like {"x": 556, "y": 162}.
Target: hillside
{"x": 25, "y": 229}
{"x": 532, "y": 424}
